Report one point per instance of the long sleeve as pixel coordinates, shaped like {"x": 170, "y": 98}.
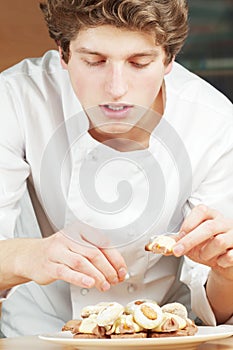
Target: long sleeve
{"x": 216, "y": 191}
{"x": 13, "y": 168}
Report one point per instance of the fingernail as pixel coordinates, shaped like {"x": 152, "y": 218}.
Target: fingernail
{"x": 115, "y": 281}
{"x": 105, "y": 286}
{"x": 127, "y": 276}
{"x": 178, "y": 250}
{"x": 88, "y": 281}
{"x": 122, "y": 273}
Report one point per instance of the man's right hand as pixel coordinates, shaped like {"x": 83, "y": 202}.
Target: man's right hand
{"x": 59, "y": 258}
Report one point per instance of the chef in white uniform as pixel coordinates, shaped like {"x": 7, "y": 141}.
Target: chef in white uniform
{"x": 98, "y": 153}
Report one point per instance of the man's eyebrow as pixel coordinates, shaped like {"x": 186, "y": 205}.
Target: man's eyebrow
{"x": 149, "y": 53}
{"x": 87, "y": 51}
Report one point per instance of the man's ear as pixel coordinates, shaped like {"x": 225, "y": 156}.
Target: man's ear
{"x": 169, "y": 66}
{"x": 63, "y": 63}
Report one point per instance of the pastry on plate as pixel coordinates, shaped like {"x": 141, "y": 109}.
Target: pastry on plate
{"x": 142, "y": 318}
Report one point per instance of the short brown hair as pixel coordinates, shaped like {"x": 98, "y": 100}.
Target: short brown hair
{"x": 166, "y": 19}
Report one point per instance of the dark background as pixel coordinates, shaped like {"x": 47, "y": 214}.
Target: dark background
{"x": 209, "y": 47}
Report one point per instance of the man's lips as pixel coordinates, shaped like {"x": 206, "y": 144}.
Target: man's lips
{"x": 116, "y": 110}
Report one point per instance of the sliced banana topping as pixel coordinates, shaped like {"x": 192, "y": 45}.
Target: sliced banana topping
{"x": 170, "y": 323}
{"x": 176, "y": 309}
{"x": 132, "y": 305}
{"x": 161, "y": 245}
{"x": 109, "y": 314}
{"x": 93, "y": 309}
{"x": 88, "y": 324}
{"x": 125, "y": 324}
{"x": 180, "y": 320}
{"x": 148, "y": 315}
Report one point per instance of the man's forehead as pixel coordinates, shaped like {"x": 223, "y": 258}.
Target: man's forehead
{"x": 113, "y": 41}
{"x": 103, "y": 52}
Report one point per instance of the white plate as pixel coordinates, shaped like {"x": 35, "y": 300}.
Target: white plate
{"x": 187, "y": 342}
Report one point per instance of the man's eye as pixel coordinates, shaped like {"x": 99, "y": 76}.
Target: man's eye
{"x": 95, "y": 63}
{"x": 140, "y": 65}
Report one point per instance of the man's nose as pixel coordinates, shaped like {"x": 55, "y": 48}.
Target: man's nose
{"x": 116, "y": 83}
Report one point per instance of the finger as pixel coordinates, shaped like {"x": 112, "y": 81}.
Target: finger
{"x": 198, "y": 215}
{"x": 63, "y": 255}
{"x": 218, "y": 245}
{"x": 63, "y": 272}
{"x": 200, "y": 234}
{"x": 112, "y": 255}
{"x": 117, "y": 261}
{"x": 64, "y": 251}
{"x": 226, "y": 260}
{"x": 80, "y": 264}
{"x": 97, "y": 259}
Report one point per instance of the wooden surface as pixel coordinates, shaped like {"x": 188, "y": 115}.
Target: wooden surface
{"x": 34, "y": 343}
{"x": 23, "y": 32}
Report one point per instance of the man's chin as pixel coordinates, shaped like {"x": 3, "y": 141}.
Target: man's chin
{"x": 113, "y": 128}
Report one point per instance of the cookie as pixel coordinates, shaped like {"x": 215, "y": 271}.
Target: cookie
{"x": 148, "y": 315}
{"x": 129, "y": 335}
{"x": 161, "y": 245}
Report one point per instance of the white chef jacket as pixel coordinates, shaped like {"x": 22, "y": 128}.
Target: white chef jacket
{"x": 46, "y": 152}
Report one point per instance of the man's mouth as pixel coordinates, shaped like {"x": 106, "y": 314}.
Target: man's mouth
{"x": 116, "y": 110}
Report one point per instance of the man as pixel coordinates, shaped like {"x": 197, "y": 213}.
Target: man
{"x": 114, "y": 142}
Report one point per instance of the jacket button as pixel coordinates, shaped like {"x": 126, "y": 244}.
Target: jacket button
{"x": 131, "y": 288}
{"x": 92, "y": 155}
{"x": 84, "y": 291}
